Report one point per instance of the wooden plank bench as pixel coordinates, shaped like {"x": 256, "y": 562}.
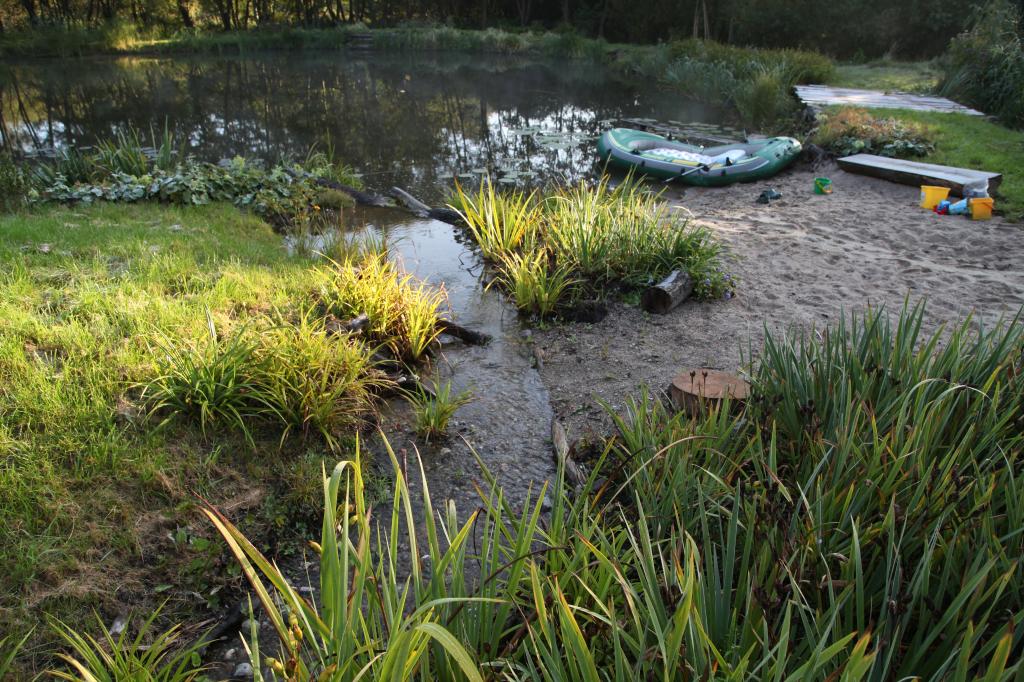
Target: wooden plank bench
{"x": 817, "y": 96}
{"x": 915, "y": 173}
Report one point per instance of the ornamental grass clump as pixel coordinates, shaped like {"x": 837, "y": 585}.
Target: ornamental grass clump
{"x": 403, "y": 313}
{"x": 499, "y": 222}
{"x": 586, "y": 241}
{"x": 313, "y": 381}
{"x": 434, "y": 409}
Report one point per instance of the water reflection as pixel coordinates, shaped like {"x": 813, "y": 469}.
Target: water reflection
{"x": 411, "y": 119}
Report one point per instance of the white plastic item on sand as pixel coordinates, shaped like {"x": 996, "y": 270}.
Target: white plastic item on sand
{"x": 976, "y": 190}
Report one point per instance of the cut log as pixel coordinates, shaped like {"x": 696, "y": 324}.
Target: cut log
{"x": 694, "y": 390}
{"x": 469, "y": 336}
{"x": 667, "y": 294}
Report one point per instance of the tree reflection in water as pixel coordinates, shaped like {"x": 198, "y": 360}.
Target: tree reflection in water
{"x": 414, "y": 119}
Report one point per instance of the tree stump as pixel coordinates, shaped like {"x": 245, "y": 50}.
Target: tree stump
{"x": 694, "y": 390}
{"x": 667, "y": 294}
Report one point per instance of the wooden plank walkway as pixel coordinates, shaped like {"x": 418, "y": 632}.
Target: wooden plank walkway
{"x": 817, "y": 96}
{"x": 915, "y": 173}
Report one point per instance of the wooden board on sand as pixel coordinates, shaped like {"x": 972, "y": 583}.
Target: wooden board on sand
{"x": 915, "y": 173}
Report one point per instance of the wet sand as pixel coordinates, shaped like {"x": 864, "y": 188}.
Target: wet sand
{"x": 801, "y": 263}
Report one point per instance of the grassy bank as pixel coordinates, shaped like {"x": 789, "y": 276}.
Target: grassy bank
{"x": 152, "y": 352}
{"x": 857, "y": 519}
{"x": 954, "y": 140}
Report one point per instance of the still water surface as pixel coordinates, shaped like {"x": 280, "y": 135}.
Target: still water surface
{"x": 411, "y": 119}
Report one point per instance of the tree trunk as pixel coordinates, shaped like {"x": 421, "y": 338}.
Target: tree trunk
{"x": 30, "y": 11}
{"x": 186, "y": 16}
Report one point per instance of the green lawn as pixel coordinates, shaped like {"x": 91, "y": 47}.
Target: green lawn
{"x": 97, "y": 503}
{"x": 975, "y": 142}
{"x": 917, "y": 77}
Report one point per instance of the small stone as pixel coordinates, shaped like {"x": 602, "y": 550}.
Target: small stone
{"x": 243, "y": 670}
{"x": 445, "y": 452}
{"x": 118, "y": 626}
{"x": 305, "y": 589}
{"x": 230, "y": 654}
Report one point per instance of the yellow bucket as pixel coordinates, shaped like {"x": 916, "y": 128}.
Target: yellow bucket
{"x": 931, "y": 196}
{"x": 981, "y": 208}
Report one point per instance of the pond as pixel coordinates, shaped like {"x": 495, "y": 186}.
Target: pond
{"x": 410, "y": 119}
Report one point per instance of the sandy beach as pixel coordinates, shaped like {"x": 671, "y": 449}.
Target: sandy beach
{"x": 801, "y": 262}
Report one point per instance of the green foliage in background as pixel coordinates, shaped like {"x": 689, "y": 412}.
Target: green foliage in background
{"x": 846, "y": 131}
{"x": 123, "y": 170}
{"x": 985, "y": 66}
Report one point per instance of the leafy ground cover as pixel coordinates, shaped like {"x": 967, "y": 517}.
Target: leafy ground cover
{"x": 586, "y": 242}
{"x": 857, "y": 519}
{"x": 149, "y": 352}
{"x": 969, "y": 142}
{"x": 845, "y": 131}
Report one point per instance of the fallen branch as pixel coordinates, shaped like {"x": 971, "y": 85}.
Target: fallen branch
{"x": 354, "y": 326}
{"x": 563, "y": 455}
{"x": 469, "y": 336}
{"x": 444, "y": 214}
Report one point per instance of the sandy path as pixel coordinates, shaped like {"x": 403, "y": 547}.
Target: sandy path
{"x": 801, "y": 262}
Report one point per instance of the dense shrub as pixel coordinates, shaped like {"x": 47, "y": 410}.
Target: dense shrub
{"x": 986, "y": 64}
{"x": 13, "y": 184}
{"x": 852, "y": 131}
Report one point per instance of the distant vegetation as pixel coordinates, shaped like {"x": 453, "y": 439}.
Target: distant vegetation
{"x": 849, "y": 29}
{"x": 986, "y": 64}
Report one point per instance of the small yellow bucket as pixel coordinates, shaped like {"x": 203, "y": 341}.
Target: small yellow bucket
{"x": 981, "y": 208}
{"x": 931, "y": 196}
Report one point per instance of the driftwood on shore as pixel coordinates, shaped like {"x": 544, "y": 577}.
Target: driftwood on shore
{"x": 359, "y": 323}
{"x": 667, "y": 294}
{"x": 444, "y": 214}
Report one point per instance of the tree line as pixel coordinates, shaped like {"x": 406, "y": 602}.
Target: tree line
{"x": 844, "y": 28}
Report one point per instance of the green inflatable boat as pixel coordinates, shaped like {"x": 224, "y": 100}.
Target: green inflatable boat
{"x": 703, "y": 166}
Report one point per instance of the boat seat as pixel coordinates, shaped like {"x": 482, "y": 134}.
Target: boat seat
{"x": 679, "y": 156}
